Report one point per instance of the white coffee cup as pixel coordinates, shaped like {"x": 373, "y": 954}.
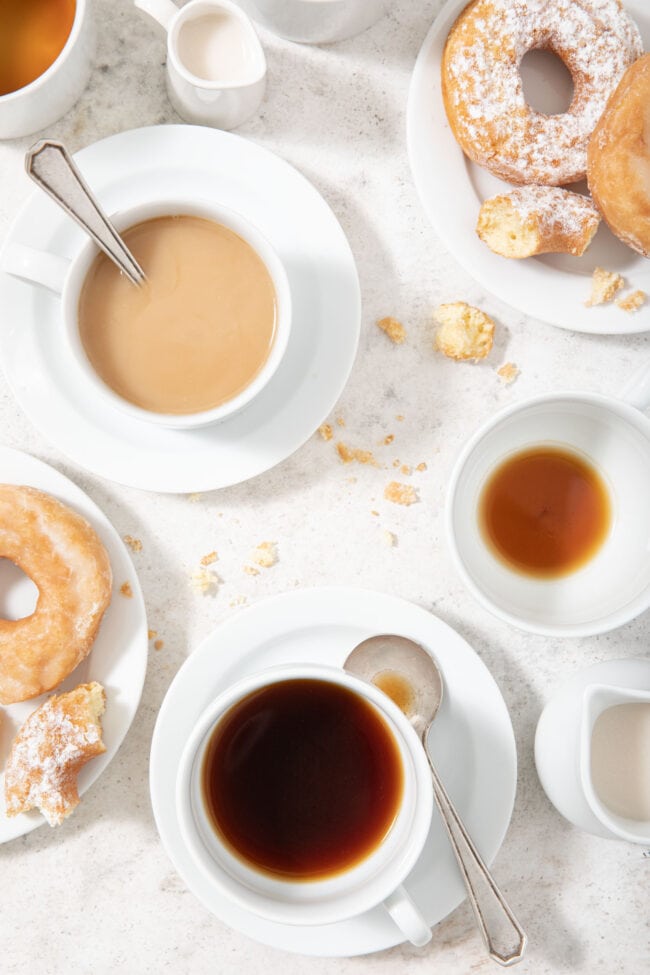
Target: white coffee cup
{"x": 231, "y": 98}
{"x": 54, "y": 92}
{"x": 315, "y": 21}
{"x": 376, "y": 880}
{"x": 67, "y": 277}
{"x": 614, "y": 586}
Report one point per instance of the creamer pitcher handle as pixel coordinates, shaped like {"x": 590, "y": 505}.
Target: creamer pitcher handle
{"x": 161, "y": 10}
{"x": 40, "y": 267}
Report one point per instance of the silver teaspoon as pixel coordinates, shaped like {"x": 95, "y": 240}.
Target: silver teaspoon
{"x": 51, "y": 166}
{"x": 408, "y": 674}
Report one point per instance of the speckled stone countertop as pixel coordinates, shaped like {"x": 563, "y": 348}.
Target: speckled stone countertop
{"x": 99, "y": 894}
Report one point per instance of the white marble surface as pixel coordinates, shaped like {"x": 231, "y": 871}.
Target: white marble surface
{"x": 99, "y": 894}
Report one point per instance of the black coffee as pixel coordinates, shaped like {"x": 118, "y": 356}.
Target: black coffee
{"x": 302, "y": 779}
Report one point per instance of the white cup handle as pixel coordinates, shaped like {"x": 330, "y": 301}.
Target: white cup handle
{"x": 161, "y": 10}
{"x": 407, "y": 917}
{"x": 636, "y": 391}
{"x": 42, "y": 268}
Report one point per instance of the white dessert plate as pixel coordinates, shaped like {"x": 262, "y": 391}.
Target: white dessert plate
{"x": 472, "y": 742}
{"x": 118, "y": 659}
{"x": 197, "y": 162}
{"x": 552, "y": 287}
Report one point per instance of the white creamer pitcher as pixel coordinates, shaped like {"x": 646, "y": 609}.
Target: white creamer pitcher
{"x": 216, "y": 68}
{"x": 564, "y": 745}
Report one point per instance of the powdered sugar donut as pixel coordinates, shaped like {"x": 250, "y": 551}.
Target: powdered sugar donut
{"x": 483, "y": 92}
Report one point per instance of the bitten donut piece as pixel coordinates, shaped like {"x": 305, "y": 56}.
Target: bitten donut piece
{"x": 483, "y": 92}
{"x": 67, "y": 562}
{"x": 619, "y": 159}
{"x": 538, "y": 220}
{"x": 50, "y": 749}
{"x": 464, "y": 332}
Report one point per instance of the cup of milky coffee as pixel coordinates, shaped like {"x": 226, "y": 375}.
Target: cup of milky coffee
{"x": 304, "y": 795}
{"x": 199, "y": 339}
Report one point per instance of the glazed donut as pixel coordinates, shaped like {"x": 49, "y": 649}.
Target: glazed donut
{"x": 483, "y": 93}
{"x": 62, "y": 554}
{"x": 618, "y": 159}
{"x": 538, "y": 220}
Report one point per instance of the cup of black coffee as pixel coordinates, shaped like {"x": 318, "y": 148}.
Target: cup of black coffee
{"x": 304, "y": 795}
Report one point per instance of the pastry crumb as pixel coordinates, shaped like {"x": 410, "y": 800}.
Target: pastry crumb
{"x": 126, "y": 590}
{"x": 265, "y": 555}
{"x": 159, "y": 644}
{"x": 348, "y": 454}
{"x": 632, "y": 302}
{"x": 406, "y": 470}
{"x": 250, "y": 570}
{"x": 134, "y": 543}
{"x": 393, "y": 329}
{"x": 421, "y": 466}
{"x": 340, "y": 422}
{"x": 604, "y": 285}
{"x": 151, "y": 634}
{"x": 374, "y": 513}
{"x": 238, "y": 600}
{"x": 398, "y": 493}
{"x": 464, "y": 332}
{"x": 388, "y": 538}
{"x": 396, "y": 462}
{"x": 204, "y": 581}
{"x": 389, "y": 439}
{"x": 508, "y": 372}
{"x": 326, "y": 431}
{"x": 209, "y": 558}
{"x": 194, "y": 497}
{"x": 400, "y": 417}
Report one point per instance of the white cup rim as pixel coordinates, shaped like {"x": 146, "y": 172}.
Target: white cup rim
{"x": 189, "y": 12}
{"x": 195, "y": 206}
{"x": 42, "y": 79}
{"x": 377, "y": 888}
{"x": 613, "y": 620}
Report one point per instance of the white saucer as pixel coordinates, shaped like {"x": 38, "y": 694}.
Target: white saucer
{"x": 179, "y": 160}
{"x": 118, "y": 659}
{"x": 472, "y": 742}
{"x": 557, "y": 738}
{"x": 552, "y": 287}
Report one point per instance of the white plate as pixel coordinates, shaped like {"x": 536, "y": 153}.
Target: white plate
{"x": 472, "y": 743}
{"x": 118, "y": 659}
{"x": 552, "y": 287}
{"x": 178, "y": 160}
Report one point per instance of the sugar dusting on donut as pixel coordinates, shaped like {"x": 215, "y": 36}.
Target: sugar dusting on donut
{"x": 483, "y": 90}
{"x": 554, "y": 206}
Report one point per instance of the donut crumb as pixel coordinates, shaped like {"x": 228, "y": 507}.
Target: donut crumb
{"x": 632, "y": 302}
{"x": 393, "y": 329}
{"x": 126, "y": 591}
{"x": 464, "y": 332}
{"x": 134, "y": 543}
{"x": 604, "y": 286}
{"x": 326, "y": 431}
{"x": 508, "y": 372}
{"x": 209, "y": 559}
{"x": 404, "y": 494}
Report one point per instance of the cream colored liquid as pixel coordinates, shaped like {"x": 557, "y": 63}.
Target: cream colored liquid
{"x": 217, "y": 48}
{"x": 196, "y": 333}
{"x": 620, "y": 760}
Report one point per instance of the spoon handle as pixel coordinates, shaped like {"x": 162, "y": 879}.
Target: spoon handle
{"x": 503, "y": 935}
{"x": 50, "y": 166}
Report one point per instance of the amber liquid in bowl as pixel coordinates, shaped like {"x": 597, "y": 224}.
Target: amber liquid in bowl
{"x": 32, "y": 35}
{"x": 196, "y": 333}
{"x": 545, "y": 511}
{"x": 302, "y": 779}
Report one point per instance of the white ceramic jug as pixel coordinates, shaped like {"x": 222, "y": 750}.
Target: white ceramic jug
{"x": 216, "y": 68}
{"x": 563, "y": 745}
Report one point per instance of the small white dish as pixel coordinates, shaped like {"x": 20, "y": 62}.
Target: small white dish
{"x": 315, "y": 21}
{"x": 233, "y": 90}
{"x": 118, "y": 659}
{"x": 614, "y": 586}
{"x": 321, "y": 626}
{"x": 202, "y": 163}
{"x": 66, "y": 278}
{"x": 559, "y": 749}
{"x": 552, "y": 287}
{"x": 54, "y": 92}
{"x": 376, "y": 880}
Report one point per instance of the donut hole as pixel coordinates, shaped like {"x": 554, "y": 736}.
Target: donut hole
{"x": 547, "y": 82}
{"x": 18, "y": 594}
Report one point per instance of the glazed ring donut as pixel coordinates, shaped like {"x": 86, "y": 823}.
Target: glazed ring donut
{"x": 483, "y": 92}
{"x": 62, "y": 554}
